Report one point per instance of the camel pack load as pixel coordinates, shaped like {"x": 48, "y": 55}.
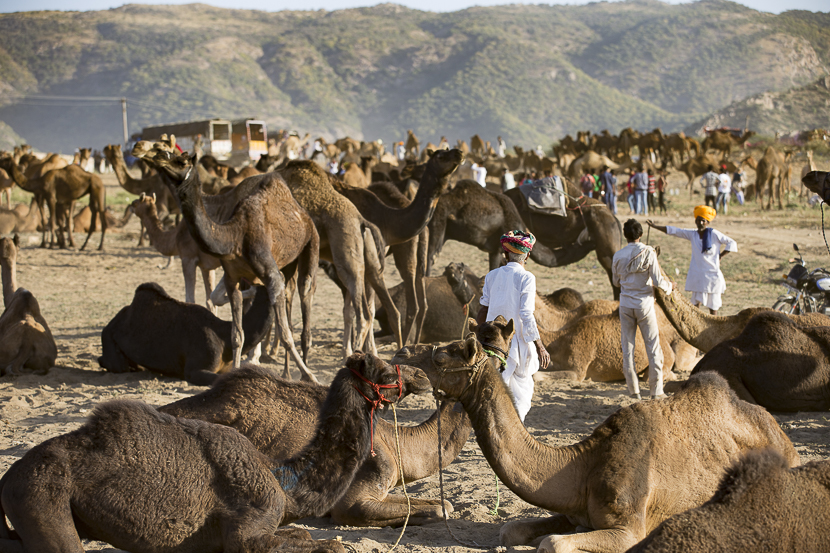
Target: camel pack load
{"x": 546, "y": 195}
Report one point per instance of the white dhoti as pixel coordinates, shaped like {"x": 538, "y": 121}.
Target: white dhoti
{"x": 707, "y": 299}
{"x": 520, "y": 382}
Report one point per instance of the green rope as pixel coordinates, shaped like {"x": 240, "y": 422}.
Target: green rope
{"x": 495, "y": 510}
{"x": 497, "y": 355}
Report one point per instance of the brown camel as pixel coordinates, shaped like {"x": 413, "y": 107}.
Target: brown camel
{"x": 698, "y": 165}
{"x": 152, "y": 185}
{"x": 775, "y": 363}
{"x": 148, "y": 482}
{"x": 704, "y": 331}
{"x": 25, "y": 338}
{"x": 163, "y": 335}
{"x": 477, "y": 146}
{"x": 589, "y": 225}
{"x": 642, "y": 465}
{"x": 676, "y": 143}
{"x": 650, "y": 143}
{"x": 761, "y": 505}
{"x": 402, "y": 224}
{"x": 412, "y": 145}
{"x": 724, "y": 141}
{"x": 266, "y": 231}
{"x": 350, "y": 242}
{"x": 83, "y": 220}
{"x": 773, "y": 165}
{"x": 179, "y": 241}
{"x": 260, "y": 406}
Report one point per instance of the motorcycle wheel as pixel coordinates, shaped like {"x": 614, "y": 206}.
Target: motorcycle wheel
{"x": 785, "y": 307}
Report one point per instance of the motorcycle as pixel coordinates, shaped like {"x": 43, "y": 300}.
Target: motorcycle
{"x": 807, "y": 291}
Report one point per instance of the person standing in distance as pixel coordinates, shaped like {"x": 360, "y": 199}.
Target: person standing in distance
{"x": 636, "y": 271}
{"x": 704, "y": 280}
{"x": 510, "y": 291}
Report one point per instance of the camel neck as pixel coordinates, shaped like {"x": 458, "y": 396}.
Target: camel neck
{"x": 20, "y": 179}
{"x": 163, "y": 240}
{"x": 545, "y": 476}
{"x": 319, "y": 476}
{"x": 126, "y": 181}
{"x": 214, "y": 238}
{"x": 702, "y": 330}
{"x": 9, "y": 275}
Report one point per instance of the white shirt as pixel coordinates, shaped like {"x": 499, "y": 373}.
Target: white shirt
{"x": 509, "y": 181}
{"x": 510, "y": 291}
{"x": 502, "y": 148}
{"x": 725, "y": 184}
{"x": 636, "y": 271}
{"x": 479, "y": 174}
{"x": 704, "y": 270}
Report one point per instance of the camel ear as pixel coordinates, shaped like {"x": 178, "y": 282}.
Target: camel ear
{"x": 509, "y": 328}
{"x": 471, "y": 347}
{"x": 142, "y": 196}
{"x": 472, "y": 324}
{"x": 154, "y": 197}
{"x": 657, "y": 250}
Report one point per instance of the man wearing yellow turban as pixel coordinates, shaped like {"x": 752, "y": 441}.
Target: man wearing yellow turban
{"x": 704, "y": 280}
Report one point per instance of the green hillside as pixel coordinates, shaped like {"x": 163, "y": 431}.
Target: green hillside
{"x": 528, "y": 73}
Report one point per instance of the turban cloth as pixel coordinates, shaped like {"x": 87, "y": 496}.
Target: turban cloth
{"x": 517, "y": 241}
{"x": 706, "y": 212}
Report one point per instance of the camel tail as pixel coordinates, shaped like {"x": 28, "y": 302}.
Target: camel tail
{"x": 380, "y": 245}
{"x": 6, "y": 533}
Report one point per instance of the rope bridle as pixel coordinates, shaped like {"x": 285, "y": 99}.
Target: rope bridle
{"x": 475, "y": 368}
{"x": 378, "y": 402}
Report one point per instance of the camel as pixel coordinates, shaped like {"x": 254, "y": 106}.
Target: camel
{"x": 761, "y": 505}
{"x": 62, "y": 186}
{"x": 20, "y": 219}
{"x": 704, "y": 331}
{"x": 591, "y": 161}
{"x": 266, "y": 231}
{"x": 147, "y": 482}
{"x": 724, "y": 141}
{"x": 775, "y": 363}
{"x": 83, "y": 220}
{"x": 773, "y": 165}
{"x": 589, "y": 225}
{"x": 645, "y": 463}
{"x": 6, "y": 185}
{"x": 25, "y": 338}
{"x": 808, "y": 167}
{"x": 676, "y": 143}
{"x": 698, "y": 165}
{"x": 163, "y": 335}
{"x": 260, "y": 406}
{"x": 452, "y": 297}
{"x": 402, "y": 224}
{"x": 650, "y": 143}
{"x": 152, "y": 185}
{"x": 179, "y": 241}
{"x": 350, "y": 242}
{"x": 477, "y": 146}
{"x": 412, "y": 145}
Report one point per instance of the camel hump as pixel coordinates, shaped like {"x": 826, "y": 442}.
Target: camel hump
{"x": 754, "y": 467}
{"x": 23, "y": 300}
{"x": 154, "y": 289}
{"x": 707, "y": 382}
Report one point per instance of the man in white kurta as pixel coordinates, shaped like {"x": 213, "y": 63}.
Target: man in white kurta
{"x": 636, "y": 271}
{"x": 510, "y": 291}
{"x": 704, "y": 280}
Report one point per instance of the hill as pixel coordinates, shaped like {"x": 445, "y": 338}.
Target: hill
{"x": 529, "y": 73}
{"x": 797, "y": 109}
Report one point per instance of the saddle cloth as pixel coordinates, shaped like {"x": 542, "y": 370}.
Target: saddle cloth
{"x": 546, "y": 195}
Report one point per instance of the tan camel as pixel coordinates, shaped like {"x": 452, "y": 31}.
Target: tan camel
{"x": 83, "y": 220}
{"x": 354, "y": 176}
{"x": 724, "y": 141}
{"x": 650, "y": 143}
{"x": 264, "y": 232}
{"x": 697, "y": 166}
{"x": 704, "y": 331}
{"x": 148, "y": 482}
{"x": 25, "y": 338}
{"x": 775, "y": 363}
{"x": 179, "y": 241}
{"x": 772, "y": 174}
{"x": 22, "y": 218}
{"x": 350, "y": 242}
{"x": 676, "y": 143}
{"x": 6, "y": 185}
{"x": 412, "y": 145}
{"x": 152, "y": 185}
{"x": 260, "y": 406}
{"x": 477, "y": 146}
{"x": 591, "y": 161}
{"x": 808, "y": 167}
{"x": 642, "y": 465}
{"x": 63, "y": 186}
{"x": 761, "y": 505}
{"x": 403, "y": 226}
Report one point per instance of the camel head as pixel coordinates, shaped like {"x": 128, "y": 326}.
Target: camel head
{"x": 164, "y": 159}
{"x": 456, "y": 275}
{"x": 8, "y": 249}
{"x": 819, "y": 183}
{"x": 113, "y": 152}
{"x": 495, "y": 337}
{"x": 144, "y": 205}
{"x": 373, "y": 378}
{"x": 442, "y": 163}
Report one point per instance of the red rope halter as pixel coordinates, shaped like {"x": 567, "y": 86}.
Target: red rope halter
{"x": 380, "y": 399}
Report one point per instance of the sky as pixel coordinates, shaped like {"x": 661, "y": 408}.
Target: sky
{"x": 773, "y": 6}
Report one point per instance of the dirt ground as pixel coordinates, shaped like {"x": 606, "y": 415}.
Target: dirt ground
{"x": 79, "y": 292}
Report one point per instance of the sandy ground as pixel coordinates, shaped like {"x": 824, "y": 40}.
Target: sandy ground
{"x": 79, "y": 292}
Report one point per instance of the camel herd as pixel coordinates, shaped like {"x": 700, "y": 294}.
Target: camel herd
{"x": 228, "y": 468}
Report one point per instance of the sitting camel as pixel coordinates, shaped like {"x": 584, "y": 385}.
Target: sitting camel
{"x": 25, "y": 338}
{"x": 255, "y": 230}
{"x": 173, "y": 338}
{"x": 178, "y": 241}
{"x": 642, "y": 465}
{"x": 82, "y": 222}
{"x": 704, "y": 331}
{"x": 775, "y": 363}
{"x": 148, "y": 482}
{"x": 260, "y": 405}
{"x": 761, "y": 505}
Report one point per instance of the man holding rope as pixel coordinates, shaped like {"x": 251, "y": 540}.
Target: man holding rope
{"x": 510, "y": 291}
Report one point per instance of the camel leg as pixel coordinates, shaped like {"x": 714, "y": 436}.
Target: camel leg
{"x": 290, "y": 288}
{"x": 391, "y": 511}
{"x": 612, "y": 539}
{"x": 43, "y": 529}
{"x": 275, "y": 283}
{"x": 374, "y": 273}
{"x": 421, "y": 284}
{"x": 405, "y": 256}
{"x": 70, "y": 223}
{"x": 351, "y": 272}
{"x": 209, "y": 278}
{"x": 53, "y": 216}
{"x": 189, "y": 273}
{"x": 43, "y": 222}
{"x": 367, "y": 344}
{"x": 307, "y": 265}
{"x": 525, "y": 532}
{"x": 237, "y": 334}
{"x": 112, "y": 358}
{"x": 102, "y": 211}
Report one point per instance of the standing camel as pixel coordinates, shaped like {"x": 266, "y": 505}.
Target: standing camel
{"x": 642, "y": 465}
{"x": 267, "y": 231}
{"x": 773, "y": 165}
{"x": 152, "y": 185}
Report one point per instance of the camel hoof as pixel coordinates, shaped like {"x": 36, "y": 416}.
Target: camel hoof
{"x": 514, "y": 533}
